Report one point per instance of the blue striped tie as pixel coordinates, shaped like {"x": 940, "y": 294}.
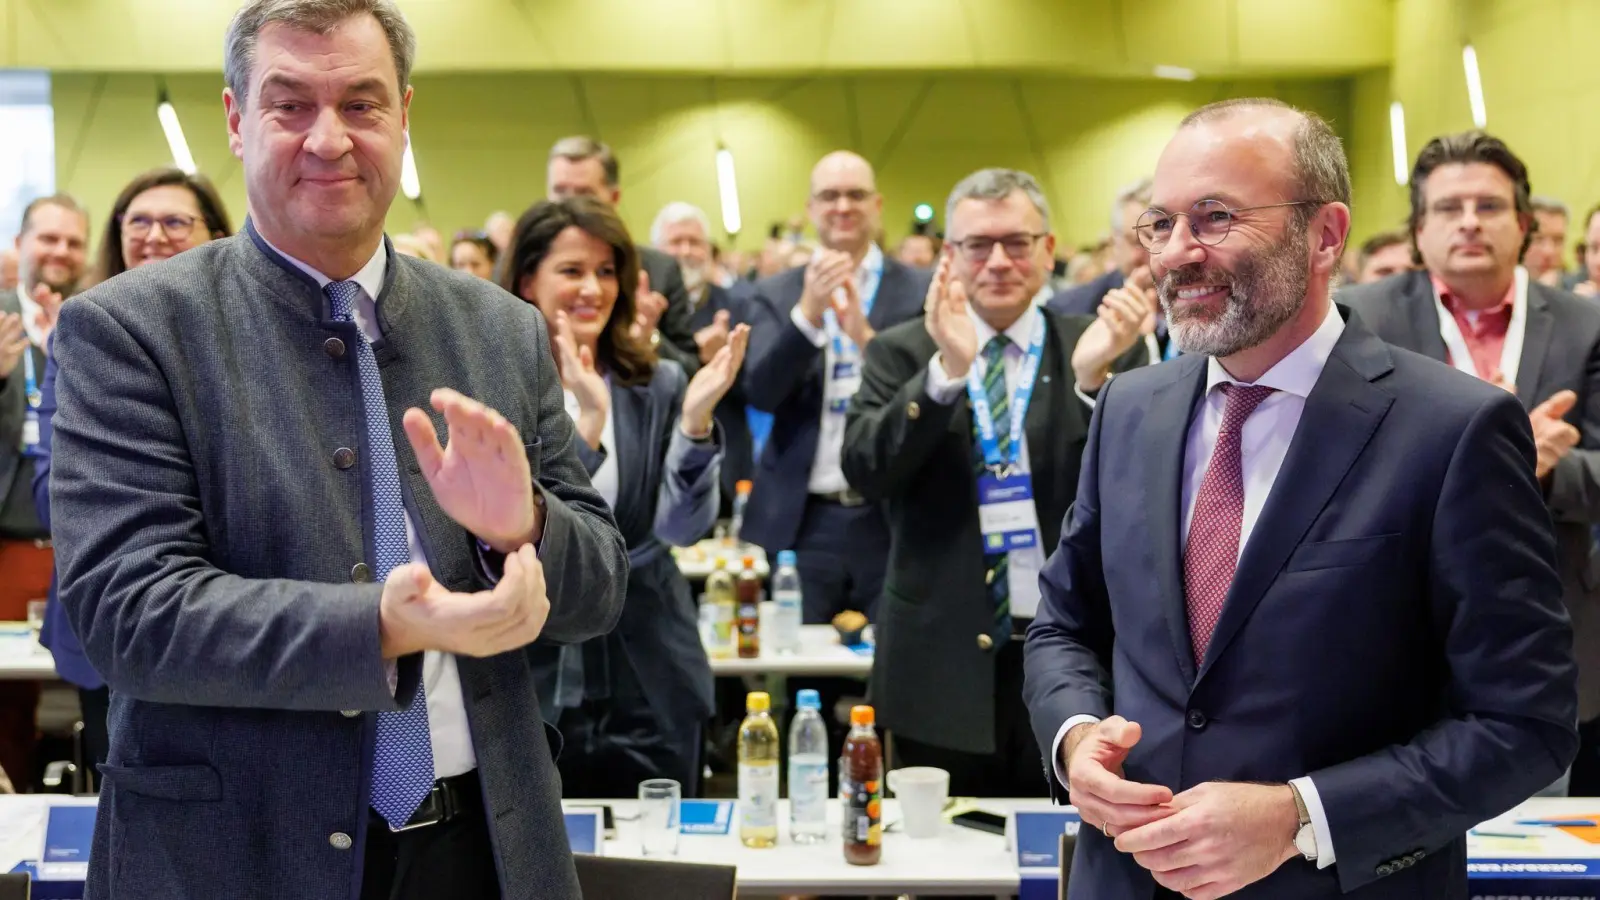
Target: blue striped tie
{"x": 997, "y": 566}
{"x": 402, "y": 765}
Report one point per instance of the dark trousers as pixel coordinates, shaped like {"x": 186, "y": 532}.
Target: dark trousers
{"x": 96, "y": 706}
{"x": 1586, "y": 767}
{"x": 1015, "y": 768}
{"x": 610, "y": 745}
{"x": 841, "y": 552}
{"x": 451, "y": 859}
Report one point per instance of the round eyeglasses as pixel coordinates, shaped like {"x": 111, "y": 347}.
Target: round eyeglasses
{"x": 1209, "y": 222}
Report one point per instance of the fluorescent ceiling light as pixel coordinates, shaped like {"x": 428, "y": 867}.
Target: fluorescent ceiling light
{"x": 1397, "y": 136}
{"x": 1469, "y": 62}
{"x": 410, "y": 184}
{"x": 181, "y": 157}
{"x": 728, "y": 188}
{"x": 1175, "y": 73}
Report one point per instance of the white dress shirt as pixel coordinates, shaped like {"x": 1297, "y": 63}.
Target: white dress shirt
{"x": 827, "y": 473}
{"x": 605, "y": 479}
{"x": 1263, "y": 442}
{"x": 30, "y": 312}
{"x": 1024, "y": 565}
{"x": 447, "y": 710}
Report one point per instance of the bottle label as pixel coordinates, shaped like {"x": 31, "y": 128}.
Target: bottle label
{"x": 863, "y": 811}
{"x": 758, "y": 795}
{"x": 808, "y": 791}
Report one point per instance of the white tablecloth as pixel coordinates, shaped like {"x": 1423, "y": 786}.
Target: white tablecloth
{"x": 21, "y": 657}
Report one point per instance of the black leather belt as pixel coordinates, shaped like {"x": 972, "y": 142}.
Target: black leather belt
{"x": 450, "y": 798}
{"x": 846, "y": 497}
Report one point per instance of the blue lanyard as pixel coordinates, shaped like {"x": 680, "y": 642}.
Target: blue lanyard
{"x": 30, "y": 384}
{"x": 987, "y": 439}
{"x": 830, "y": 320}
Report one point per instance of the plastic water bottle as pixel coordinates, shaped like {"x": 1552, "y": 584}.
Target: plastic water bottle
{"x": 808, "y": 771}
{"x": 787, "y": 605}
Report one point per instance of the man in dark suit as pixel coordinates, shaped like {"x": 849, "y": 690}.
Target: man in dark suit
{"x": 1304, "y": 627}
{"x": 583, "y": 165}
{"x": 962, "y": 583}
{"x": 313, "y": 618}
{"x": 1472, "y": 306}
{"x": 683, "y": 231}
{"x": 808, "y": 328}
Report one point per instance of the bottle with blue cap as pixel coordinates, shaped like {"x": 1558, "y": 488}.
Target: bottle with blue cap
{"x": 786, "y": 606}
{"x": 808, "y": 771}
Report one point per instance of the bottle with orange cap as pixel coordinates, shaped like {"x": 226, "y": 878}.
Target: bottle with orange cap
{"x": 861, "y": 790}
{"x": 741, "y": 499}
{"x": 748, "y": 590}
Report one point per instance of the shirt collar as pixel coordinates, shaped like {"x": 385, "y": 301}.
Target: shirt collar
{"x": 1296, "y": 373}
{"x": 30, "y": 311}
{"x": 369, "y": 278}
{"x": 1020, "y": 332}
{"x": 873, "y": 261}
{"x": 1454, "y": 305}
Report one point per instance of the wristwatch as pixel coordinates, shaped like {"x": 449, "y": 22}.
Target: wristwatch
{"x": 1305, "y": 837}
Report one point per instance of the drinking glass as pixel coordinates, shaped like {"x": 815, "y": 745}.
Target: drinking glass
{"x": 36, "y": 617}
{"x": 659, "y": 810}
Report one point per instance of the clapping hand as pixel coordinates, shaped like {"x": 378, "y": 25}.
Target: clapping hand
{"x": 712, "y": 383}
{"x": 1553, "y": 436}
{"x": 852, "y": 316}
{"x": 945, "y": 316}
{"x": 1126, "y": 315}
{"x": 827, "y": 272}
{"x": 417, "y": 613}
{"x": 578, "y": 375}
{"x": 13, "y": 342}
{"x": 713, "y": 337}
{"x": 481, "y": 477}
{"x": 649, "y": 307}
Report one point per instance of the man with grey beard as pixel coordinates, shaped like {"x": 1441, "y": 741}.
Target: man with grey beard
{"x": 1329, "y": 638}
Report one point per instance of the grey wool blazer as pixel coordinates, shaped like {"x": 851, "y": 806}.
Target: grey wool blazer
{"x": 214, "y": 558}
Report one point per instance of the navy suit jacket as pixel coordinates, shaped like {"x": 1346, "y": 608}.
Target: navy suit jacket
{"x": 71, "y": 662}
{"x": 1394, "y": 630}
{"x": 738, "y": 462}
{"x": 1084, "y": 299}
{"x": 783, "y": 376}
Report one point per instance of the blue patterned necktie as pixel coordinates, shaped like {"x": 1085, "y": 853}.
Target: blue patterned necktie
{"x": 402, "y": 765}
{"x": 996, "y": 566}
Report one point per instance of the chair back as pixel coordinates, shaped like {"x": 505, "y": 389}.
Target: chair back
{"x": 611, "y": 878}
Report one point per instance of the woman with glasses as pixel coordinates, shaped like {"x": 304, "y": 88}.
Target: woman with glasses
{"x": 629, "y": 705}
{"x": 158, "y": 215}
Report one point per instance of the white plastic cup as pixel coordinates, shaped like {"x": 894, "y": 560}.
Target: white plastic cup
{"x": 922, "y": 792}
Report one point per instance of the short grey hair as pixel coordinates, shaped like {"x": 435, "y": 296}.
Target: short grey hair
{"x": 1138, "y": 192}
{"x": 1321, "y": 172}
{"x": 318, "y": 17}
{"x": 1549, "y": 205}
{"x": 674, "y": 213}
{"x": 997, "y": 184}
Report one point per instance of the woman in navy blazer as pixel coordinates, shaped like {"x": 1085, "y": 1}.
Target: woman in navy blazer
{"x": 158, "y": 215}
{"x": 630, "y": 705}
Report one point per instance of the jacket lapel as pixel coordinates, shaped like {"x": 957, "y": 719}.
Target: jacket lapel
{"x": 1044, "y": 428}
{"x": 630, "y": 413}
{"x": 894, "y": 287}
{"x": 1340, "y": 417}
{"x": 1535, "y": 347}
{"x": 1422, "y": 317}
{"x": 1164, "y": 438}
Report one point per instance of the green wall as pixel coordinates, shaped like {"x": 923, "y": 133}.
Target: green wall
{"x": 481, "y": 139}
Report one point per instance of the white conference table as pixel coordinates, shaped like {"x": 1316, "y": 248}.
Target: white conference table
{"x": 820, "y": 654}
{"x": 697, "y": 562}
{"x": 21, "y": 657}
{"x": 959, "y": 860}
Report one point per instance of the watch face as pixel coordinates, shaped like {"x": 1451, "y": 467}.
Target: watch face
{"x": 1305, "y": 841}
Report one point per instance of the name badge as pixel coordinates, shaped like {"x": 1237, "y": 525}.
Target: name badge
{"x": 843, "y": 385}
{"x": 845, "y": 370}
{"x": 30, "y": 433}
{"x": 1006, "y": 514}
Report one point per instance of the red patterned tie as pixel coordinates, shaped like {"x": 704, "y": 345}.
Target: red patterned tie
{"x": 1212, "y": 553}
